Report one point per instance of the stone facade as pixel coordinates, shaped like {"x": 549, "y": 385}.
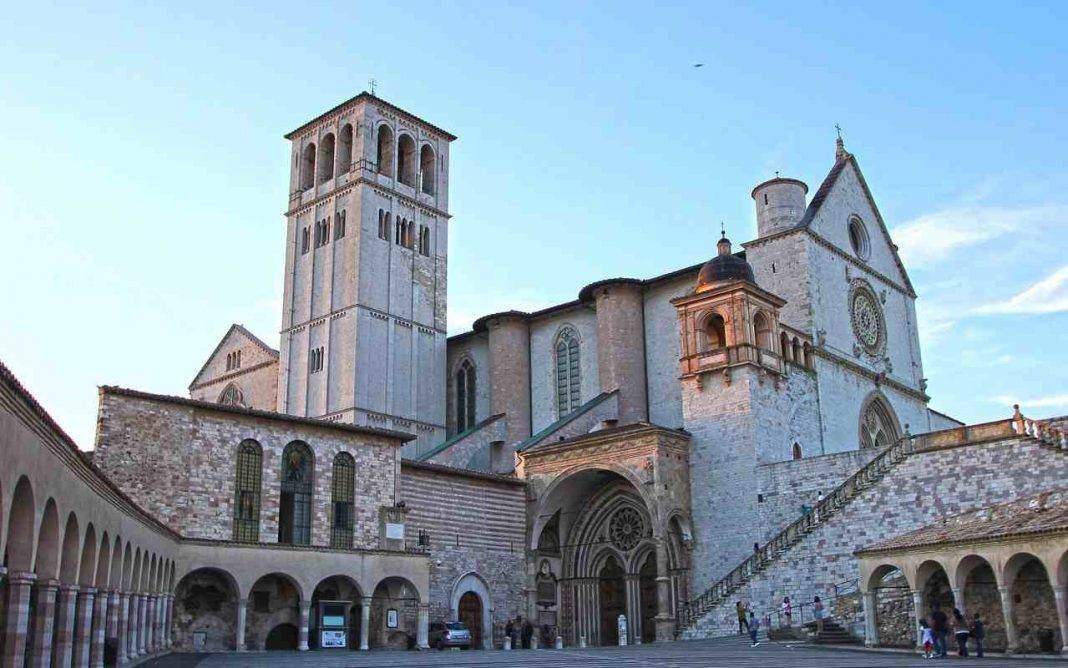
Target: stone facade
{"x": 242, "y": 370}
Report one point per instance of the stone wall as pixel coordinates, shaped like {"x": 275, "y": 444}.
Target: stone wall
{"x": 917, "y": 492}
{"x": 477, "y": 525}
{"x": 544, "y": 331}
{"x": 177, "y": 458}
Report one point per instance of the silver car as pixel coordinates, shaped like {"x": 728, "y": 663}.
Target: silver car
{"x": 449, "y": 634}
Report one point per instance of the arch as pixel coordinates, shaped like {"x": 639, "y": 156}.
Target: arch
{"x": 296, "y": 498}
{"x": 344, "y": 149}
{"x": 135, "y": 573}
{"x": 232, "y": 395}
{"x": 406, "y": 159}
{"x": 858, "y": 237}
{"x": 465, "y": 395}
{"x": 426, "y": 169}
{"x": 88, "y": 562}
{"x": 383, "y": 225}
{"x": 974, "y": 577}
{"x": 713, "y": 332}
{"x": 473, "y": 583}
{"x": 889, "y": 586}
{"x": 762, "y": 329}
{"x": 307, "y": 167}
{"x": 127, "y": 567}
{"x": 1034, "y": 604}
{"x": 798, "y": 352}
{"x": 142, "y": 583}
{"x": 384, "y": 152}
{"x": 205, "y": 602}
{"x": 326, "y": 158}
{"x": 47, "y": 560}
{"x": 394, "y": 593}
{"x": 797, "y": 453}
{"x": 787, "y": 350}
{"x": 20, "y": 528}
{"x": 809, "y": 362}
{"x": 338, "y": 588}
{"x": 103, "y": 562}
{"x": 612, "y": 594}
{"x": 247, "y": 487}
{"x": 567, "y": 355}
{"x": 424, "y": 240}
{"x": 68, "y": 564}
{"x": 343, "y": 501}
{"x": 150, "y": 583}
{"x": 647, "y": 597}
{"x": 878, "y": 426}
{"x": 115, "y": 577}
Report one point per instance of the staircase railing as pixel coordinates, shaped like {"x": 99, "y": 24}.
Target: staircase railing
{"x": 762, "y": 557}
{"x": 1041, "y": 430}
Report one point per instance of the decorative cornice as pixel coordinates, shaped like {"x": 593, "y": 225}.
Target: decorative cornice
{"x": 363, "y": 180}
{"x": 926, "y": 546}
{"x": 364, "y": 96}
{"x": 874, "y": 376}
{"x": 373, "y": 311}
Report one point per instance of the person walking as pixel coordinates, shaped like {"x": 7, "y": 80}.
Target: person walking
{"x": 819, "y": 500}
{"x": 927, "y": 638}
{"x": 818, "y": 612}
{"x": 979, "y": 634}
{"x": 528, "y": 633}
{"x": 939, "y": 628}
{"x": 739, "y": 608}
{"x": 960, "y": 632}
{"x": 754, "y": 627}
{"x": 787, "y": 611}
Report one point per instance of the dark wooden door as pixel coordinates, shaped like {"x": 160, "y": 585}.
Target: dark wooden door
{"x": 647, "y": 588}
{"x": 613, "y": 601}
{"x": 471, "y": 615}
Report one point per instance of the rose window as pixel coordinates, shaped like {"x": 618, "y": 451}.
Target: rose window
{"x": 867, "y": 319}
{"x": 626, "y": 528}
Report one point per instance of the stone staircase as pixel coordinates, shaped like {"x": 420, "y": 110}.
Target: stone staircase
{"x": 833, "y": 634}
{"x": 768, "y": 554}
{"x": 1047, "y": 434}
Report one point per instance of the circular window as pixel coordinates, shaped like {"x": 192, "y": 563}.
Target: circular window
{"x": 626, "y": 528}
{"x": 867, "y": 317}
{"x": 858, "y": 238}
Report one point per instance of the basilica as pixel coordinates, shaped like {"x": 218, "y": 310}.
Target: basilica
{"x": 752, "y": 426}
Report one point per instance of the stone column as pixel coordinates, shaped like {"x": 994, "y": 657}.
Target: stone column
{"x": 302, "y": 639}
{"x": 917, "y": 606}
{"x": 239, "y": 629}
{"x": 17, "y": 622}
{"x": 422, "y": 632}
{"x": 665, "y": 619}
{"x": 63, "y": 635}
{"x": 99, "y": 625}
{"x": 632, "y": 609}
{"x": 114, "y": 607}
{"x": 44, "y": 618}
{"x": 142, "y": 630}
{"x": 169, "y": 630}
{"x": 157, "y": 626}
{"x": 871, "y": 630}
{"x": 1011, "y": 641}
{"x": 83, "y": 626}
{"x": 132, "y": 640}
{"x": 365, "y": 623}
{"x": 122, "y": 631}
{"x": 150, "y": 623}
{"x": 1060, "y": 593}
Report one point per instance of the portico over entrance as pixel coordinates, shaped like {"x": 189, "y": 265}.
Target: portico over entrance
{"x": 610, "y": 535}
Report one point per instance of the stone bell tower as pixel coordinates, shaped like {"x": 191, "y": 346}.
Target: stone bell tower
{"x": 363, "y": 320}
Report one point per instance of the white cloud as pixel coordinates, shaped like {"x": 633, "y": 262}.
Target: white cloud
{"x": 1050, "y": 295}
{"x": 934, "y": 236}
{"x": 1050, "y": 401}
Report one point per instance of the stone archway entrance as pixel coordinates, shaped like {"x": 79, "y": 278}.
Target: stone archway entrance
{"x": 613, "y": 600}
{"x": 470, "y": 613}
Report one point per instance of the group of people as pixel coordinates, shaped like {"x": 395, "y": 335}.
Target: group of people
{"x": 937, "y": 626}
{"x": 519, "y": 631}
{"x": 748, "y": 622}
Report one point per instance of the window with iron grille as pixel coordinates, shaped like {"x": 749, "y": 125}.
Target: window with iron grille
{"x": 247, "y": 492}
{"x": 343, "y": 500}
{"x": 294, "y": 508}
{"x": 568, "y": 373}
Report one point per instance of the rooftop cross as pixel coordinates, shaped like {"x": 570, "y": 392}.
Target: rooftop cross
{"x": 372, "y": 83}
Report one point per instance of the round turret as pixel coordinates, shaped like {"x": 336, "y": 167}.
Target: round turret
{"x": 780, "y": 205}
{"x": 723, "y": 268}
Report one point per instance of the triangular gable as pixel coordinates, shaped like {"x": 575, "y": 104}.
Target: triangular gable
{"x": 236, "y": 337}
{"x": 847, "y": 169}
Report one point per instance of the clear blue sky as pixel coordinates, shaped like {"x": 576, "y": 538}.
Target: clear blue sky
{"x": 144, "y": 175}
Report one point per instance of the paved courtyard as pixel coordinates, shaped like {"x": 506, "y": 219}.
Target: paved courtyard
{"x": 703, "y": 654}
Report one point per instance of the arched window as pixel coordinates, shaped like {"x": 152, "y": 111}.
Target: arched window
{"x": 326, "y": 158}
{"x": 383, "y": 225}
{"x": 878, "y": 428}
{"x": 343, "y": 501}
{"x": 465, "y": 396}
{"x": 424, "y": 240}
{"x": 762, "y": 326}
{"x": 385, "y": 150}
{"x": 787, "y": 350}
{"x": 715, "y": 332}
{"x": 232, "y": 396}
{"x": 406, "y": 160}
{"x": 295, "y": 504}
{"x": 807, "y": 350}
{"x": 339, "y": 225}
{"x": 568, "y": 372}
{"x": 426, "y": 168}
{"x": 305, "y": 238}
{"x": 344, "y": 150}
{"x": 797, "y": 451}
{"x": 798, "y": 352}
{"x": 247, "y": 492}
{"x": 307, "y": 167}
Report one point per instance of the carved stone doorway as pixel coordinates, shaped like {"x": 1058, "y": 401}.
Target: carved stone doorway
{"x": 613, "y": 601}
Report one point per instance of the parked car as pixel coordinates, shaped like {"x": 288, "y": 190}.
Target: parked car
{"x": 449, "y": 634}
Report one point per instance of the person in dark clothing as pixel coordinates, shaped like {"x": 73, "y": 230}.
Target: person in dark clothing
{"x": 528, "y": 633}
{"x": 960, "y": 632}
{"x": 979, "y": 633}
{"x": 509, "y": 632}
{"x": 739, "y": 608}
{"x": 754, "y": 628}
{"x": 939, "y": 627}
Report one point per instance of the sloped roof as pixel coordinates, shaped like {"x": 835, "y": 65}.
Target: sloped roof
{"x": 1042, "y": 513}
{"x": 824, "y": 190}
{"x": 239, "y": 329}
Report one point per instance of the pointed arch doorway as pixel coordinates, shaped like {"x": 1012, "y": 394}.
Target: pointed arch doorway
{"x": 613, "y": 600}
{"x": 470, "y": 613}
